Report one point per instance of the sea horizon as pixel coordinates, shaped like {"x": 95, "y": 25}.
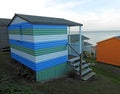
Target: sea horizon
{"x": 97, "y": 36}
{"x": 98, "y": 30}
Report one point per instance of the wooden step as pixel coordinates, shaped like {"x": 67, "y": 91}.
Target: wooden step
{"x": 73, "y": 59}
{"x": 84, "y": 66}
{"x": 77, "y": 69}
{"x": 85, "y": 71}
{"x": 88, "y": 76}
{"x": 75, "y": 64}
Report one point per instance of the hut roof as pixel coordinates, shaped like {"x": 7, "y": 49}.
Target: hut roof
{"x": 4, "y": 22}
{"x": 47, "y": 20}
{"x": 87, "y": 43}
{"x": 84, "y": 37}
{"x": 116, "y": 37}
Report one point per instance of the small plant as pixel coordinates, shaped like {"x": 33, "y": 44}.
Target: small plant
{"x": 87, "y": 54}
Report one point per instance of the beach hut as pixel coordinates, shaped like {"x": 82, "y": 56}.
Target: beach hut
{"x": 40, "y": 43}
{"x": 108, "y": 51}
{"x": 4, "y": 40}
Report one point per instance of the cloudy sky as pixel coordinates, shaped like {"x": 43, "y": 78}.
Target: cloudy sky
{"x": 93, "y": 14}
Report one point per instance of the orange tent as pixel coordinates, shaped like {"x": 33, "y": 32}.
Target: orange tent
{"x": 108, "y": 51}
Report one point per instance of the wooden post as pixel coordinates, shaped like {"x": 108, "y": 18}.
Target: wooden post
{"x": 68, "y": 40}
{"x": 80, "y": 42}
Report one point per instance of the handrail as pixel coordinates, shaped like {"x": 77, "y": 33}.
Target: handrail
{"x": 75, "y": 44}
{"x": 74, "y": 50}
{"x": 79, "y": 59}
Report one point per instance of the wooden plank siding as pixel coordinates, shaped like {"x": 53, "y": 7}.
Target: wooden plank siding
{"x": 53, "y": 72}
{"x": 40, "y": 47}
{"x": 4, "y": 40}
{"x": 38, "y": 51}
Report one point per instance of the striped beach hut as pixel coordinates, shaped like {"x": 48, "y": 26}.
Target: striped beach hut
{"x": 4, "y": 33}
{"x": 40, "y": 43}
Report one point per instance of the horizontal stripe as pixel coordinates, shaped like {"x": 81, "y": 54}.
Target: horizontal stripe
{"x": 39, "y": 45}
{"x": 49, "y": 32}
{"x": 22, "y": 37}
{"x": 41, "y": 58}
{"x": 25, "y": 25}
{"x": 18, "y": 29}
{"x": 45, "y": 38}
{"x": 49, "y": 29}
{"x": 38, "y": 32}
{"x": 24, "y": 61}
{"x": 22, "y": 25}
{"x": 41, "y": 65}
{"x": 40, "y": 51}
{"x": 28, "y": 31}
{"x": 52, "y": 62}
{"x": 37, "y": 29}
{"x": 50, "y": 26}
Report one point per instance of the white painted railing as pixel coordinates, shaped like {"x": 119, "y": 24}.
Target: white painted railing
{"x": 76, "y": 46}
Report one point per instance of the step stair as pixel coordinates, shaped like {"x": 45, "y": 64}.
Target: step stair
{"x": 84, "y": 66}
{"x": 75, "y": 64}
{"x": 74, "y": 59}
{"x": 77, "y": 68}
{"x": 86, "y": 72}
{"x": 88, "y": 76}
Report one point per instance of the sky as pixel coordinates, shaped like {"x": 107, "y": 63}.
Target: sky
{"x": 93, "y": 14}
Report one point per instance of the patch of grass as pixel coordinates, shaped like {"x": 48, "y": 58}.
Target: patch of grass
{"x": 112, "y": 72}
{"x": 106, "y": 81}
{"x": 99, "y": 85}
{"x": 13, "y": 88}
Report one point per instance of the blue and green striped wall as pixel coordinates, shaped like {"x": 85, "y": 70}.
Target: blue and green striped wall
{"x": 40, "y": 47}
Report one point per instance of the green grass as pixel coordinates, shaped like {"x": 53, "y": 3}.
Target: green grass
{"x": 110, "y": 71}
{"x": 106, "y": 81}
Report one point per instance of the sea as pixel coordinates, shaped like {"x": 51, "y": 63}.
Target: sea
{"x": 97, "y": 36}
